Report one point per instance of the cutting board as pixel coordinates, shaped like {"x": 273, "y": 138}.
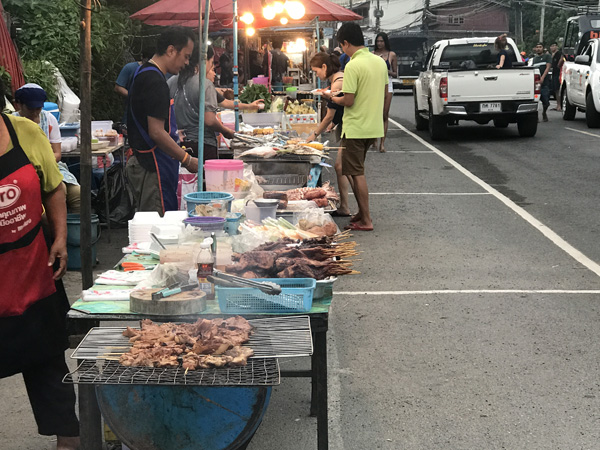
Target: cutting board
{"x": 188, "y": 302}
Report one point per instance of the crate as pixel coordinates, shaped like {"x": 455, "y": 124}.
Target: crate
{"x": 296, "y": 297}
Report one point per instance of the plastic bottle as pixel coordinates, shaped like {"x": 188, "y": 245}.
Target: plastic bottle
{"x": 205, "y": 261}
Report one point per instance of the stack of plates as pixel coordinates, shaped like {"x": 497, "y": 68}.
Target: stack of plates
{"x": 141, "y": 225}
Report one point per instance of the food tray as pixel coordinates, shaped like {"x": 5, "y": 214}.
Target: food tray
{"x": 283, "y": 182}
{"x": 324, "y": 288}
{"x": 296, "y": 296}
{"x": 203, "y": 198}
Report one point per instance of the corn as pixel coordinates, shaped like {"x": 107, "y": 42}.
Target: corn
{"x": 315, "y": 145}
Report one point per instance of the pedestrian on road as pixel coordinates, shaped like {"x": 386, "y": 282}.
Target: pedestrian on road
{"x": 543, "y": 62}
{"x": 364, "y": 88}
{"x": 327, "y": 68}
{"x": 33, "y": 303}
{"x": 383, "y": 49}
{"x": 153, "y": 170}
{"x": 504, "y": 60}
{"x": 557, "y": 63}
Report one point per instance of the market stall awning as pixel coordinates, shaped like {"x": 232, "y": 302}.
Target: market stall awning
{"x": 8, "y": 55}
{"x": 185, "y": 13}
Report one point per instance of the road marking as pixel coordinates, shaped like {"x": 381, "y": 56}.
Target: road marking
{"x": 475, "y": 291}
{"x": 551, "y": 235}
{"x": 429, "y": 193}
{"x": 582, "y": 132}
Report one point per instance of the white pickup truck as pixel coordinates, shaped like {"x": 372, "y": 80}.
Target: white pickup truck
{"x": 580, "y": 88}
{"x": 460, "y": 82}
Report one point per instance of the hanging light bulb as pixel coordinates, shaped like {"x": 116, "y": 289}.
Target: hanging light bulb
{"x": 250, "y": 32}
{"x": 283, "y": 21}
{"x": 295, "y": 10}
{"x": 247, "y": 18}
{"x": 278, "y": 6}
{"x": 269, "y": 12}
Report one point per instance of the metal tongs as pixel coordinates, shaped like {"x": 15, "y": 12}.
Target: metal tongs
{"x": 225, "y": 279}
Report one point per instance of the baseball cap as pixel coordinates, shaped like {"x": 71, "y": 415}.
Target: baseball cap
{"x": 31, "y": 95}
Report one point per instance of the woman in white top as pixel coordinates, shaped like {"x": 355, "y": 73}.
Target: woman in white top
{"x": 382, "y": 49}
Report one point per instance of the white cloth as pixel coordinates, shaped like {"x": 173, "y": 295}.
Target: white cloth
{"x": 98, "y": 295}
{"x": 118, "y": 278}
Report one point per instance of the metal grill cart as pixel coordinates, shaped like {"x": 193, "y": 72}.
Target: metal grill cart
{"x": 149, "y": 389}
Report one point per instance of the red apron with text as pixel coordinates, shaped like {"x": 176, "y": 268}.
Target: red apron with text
{"x": 30, "y": 309}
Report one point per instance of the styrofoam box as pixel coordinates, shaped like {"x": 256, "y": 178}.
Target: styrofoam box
{"x": 271, "y": 119}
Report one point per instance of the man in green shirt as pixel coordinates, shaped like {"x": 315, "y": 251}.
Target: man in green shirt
{"x": 364, "y": 88}
{"x": 543, "y": 61}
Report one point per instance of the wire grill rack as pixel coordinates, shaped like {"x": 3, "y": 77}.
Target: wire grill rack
{"x": 274, "y": 337}
{"x": 258, "y": 372}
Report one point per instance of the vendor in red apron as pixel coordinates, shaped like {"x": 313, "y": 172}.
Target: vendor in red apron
{"x": 153, "y": 170}
{"x": 33, "y": 305}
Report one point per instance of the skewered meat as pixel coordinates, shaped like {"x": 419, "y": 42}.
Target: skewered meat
{"x": 203, "y": 344}
{"x": 262, "y": 260}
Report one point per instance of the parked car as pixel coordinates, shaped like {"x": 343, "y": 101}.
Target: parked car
{"x": 580, "y": 88}
{"x": 460, "y": 82}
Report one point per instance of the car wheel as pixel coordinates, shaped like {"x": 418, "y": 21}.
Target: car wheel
{"x": 438, "y": 126}
{"x": 420, "y": 121}
{"x": 568, "y": 110}
{"x": 527, "y": 125}
{"x": 500, "y": 123}
{"x": 592, "y": 117}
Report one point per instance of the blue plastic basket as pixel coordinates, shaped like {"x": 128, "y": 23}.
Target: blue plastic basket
{"x": 205, "y": 198}
{"x": 296, "y": 296}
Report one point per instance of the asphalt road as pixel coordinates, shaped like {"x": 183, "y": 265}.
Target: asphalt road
{"x": 474, "y": 322}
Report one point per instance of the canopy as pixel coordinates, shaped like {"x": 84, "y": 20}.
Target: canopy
{"x": 185, "y": 13}
{"x": 8, "y": 55}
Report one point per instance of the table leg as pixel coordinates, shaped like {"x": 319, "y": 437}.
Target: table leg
{"x": 106, "y": 208}
{"x": 319, "y": 389}
{"x": 90, "y": 427}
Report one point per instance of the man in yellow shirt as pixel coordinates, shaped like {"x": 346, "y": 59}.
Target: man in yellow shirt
{"x": 365, "y": 85}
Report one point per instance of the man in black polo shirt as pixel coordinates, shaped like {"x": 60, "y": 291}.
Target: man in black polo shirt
{"x": 153, "y": 170}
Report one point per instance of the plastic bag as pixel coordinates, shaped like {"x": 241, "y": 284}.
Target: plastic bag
{"x": 316, "y": 221}
{"x": 120, "y": 198}
{"x": 188, "y": 183}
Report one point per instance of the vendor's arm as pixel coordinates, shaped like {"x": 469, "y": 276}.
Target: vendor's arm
{"x": 211, "y": 121}
{"x": 323, "y": 125}
{"x": 156, "y": 130}
{"x": 228, "y": 104}
{"x": 55, "y": 204}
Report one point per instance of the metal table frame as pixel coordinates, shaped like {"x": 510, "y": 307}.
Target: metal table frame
{"x": 89, "y": 414}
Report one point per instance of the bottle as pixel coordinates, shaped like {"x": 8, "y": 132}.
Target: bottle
{"x": 205, "y": 261}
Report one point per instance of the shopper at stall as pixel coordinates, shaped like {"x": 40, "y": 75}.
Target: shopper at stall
{"x": 33, "y": 306}
{"x": 364, "y": 88}
{"x": 382, "y": 49}
{"x": 29, "y": 102}
{"x": 279, "y": 64}
{"x": 327, "y": 68}
{"x": 185, "y": 90}
{"x": 153, "y": 170}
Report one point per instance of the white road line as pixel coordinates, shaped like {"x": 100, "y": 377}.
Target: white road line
{"x": 551, "y": 235}
{"x": 583, "y": 132}
{"x": 429, "y": 193}
{"x": 475, "y": 291}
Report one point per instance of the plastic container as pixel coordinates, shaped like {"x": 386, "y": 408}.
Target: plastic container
{"x": 69, "y": 129}
{"x": 258, "y": 214}
{"x": 291, "y": 92}
{"x": 99, "y": 127}
{"x": 221, "y": 174}
{"x": 52, "y": 108}
{"x": 296, "y": 296}
{"x": 324, "y": 288}
{"x": 270, "y": 119}
{"x": 74, "y": 240}
{"x": 261, "y": 80}
{"x": 232, "y": 224}
{"x": 208, "y": 223}
{"x": 204, "y": 198}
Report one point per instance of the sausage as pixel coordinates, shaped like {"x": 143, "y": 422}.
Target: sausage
{"x": 275, "y": 194}
{"x": 315, "y": 193}
{"x": 321, "y": 202}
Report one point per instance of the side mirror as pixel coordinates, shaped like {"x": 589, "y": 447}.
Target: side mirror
{"x": 416, "y": 65}
{"x": 582, "y": 59}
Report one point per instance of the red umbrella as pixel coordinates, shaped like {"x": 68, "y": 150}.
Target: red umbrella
{"x": 185, "y": 13}
{"x": 8, "y": 55}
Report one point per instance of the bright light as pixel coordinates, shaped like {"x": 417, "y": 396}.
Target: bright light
{"x": 247, "y": 18}
{"x": 208, "y": 43}
{"x": 278, "y": 7}
{"x": 269, "y": 12}
{"x": 297, "y": 47}
{"x": 283, "y": 21}
{"x": 295, "y": 10}
{"x": 250, "y": 32}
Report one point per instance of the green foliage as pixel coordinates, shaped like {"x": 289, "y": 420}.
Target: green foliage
{"x": 50, "y": 32}
{"x": 42, "y": 73}
{"x": 555, "y": 21}
{"x": 5, "y": 76}
{"x": 256, "y": 92}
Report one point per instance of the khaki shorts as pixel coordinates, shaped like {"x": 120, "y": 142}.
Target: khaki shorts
{"x": 354, "y": 155}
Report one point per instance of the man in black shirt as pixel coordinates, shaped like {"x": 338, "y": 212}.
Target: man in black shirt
{"x": 557, "y": 63}
{"x": 279, "y": 64}
{"x": 153, "y": 170}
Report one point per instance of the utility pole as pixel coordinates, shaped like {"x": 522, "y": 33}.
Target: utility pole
{"x": 378, "y": 17}
{"x": 424, "y": 18}
{"x": 542, "y": 21}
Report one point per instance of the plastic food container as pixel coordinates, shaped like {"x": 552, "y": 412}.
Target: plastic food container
{"x": 259, "y": 213}
{"x": 205, "y": 198}
{"x": 221, "y": 174}
{"x": 291, "y": 92}
{"x": 261, "y": 80}
{"x": 232, "y": 224}
{"x": 206, "y": 223}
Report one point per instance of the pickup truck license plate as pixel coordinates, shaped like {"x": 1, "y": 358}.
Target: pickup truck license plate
{"x": 408, "y": 82}
{"x": 490, "y": 107}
